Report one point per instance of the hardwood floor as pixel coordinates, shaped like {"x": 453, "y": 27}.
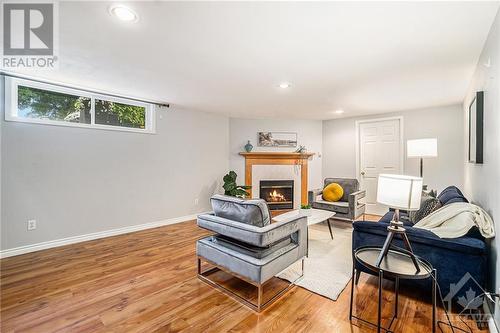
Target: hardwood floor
{"x": 146, "y": 282}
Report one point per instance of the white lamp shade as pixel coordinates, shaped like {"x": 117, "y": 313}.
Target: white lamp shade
{"x": 422, "y": 148}
{"x": 398, "y": 191}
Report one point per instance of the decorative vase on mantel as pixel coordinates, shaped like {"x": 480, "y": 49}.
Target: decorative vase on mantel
{"x": 248, "y": 147}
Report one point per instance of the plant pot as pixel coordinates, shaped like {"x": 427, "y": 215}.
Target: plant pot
{"x": 305, "y": 212}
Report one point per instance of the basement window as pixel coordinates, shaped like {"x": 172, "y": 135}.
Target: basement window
{"x": 43, "y": 103}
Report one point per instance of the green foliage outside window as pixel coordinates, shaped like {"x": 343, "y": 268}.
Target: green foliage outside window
{"x": 43, "y": 104}
{"x": 111, "y": 113}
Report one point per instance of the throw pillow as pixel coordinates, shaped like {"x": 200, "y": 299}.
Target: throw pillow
{"x": 425, "y": 196}
{"x": 249, "y": 211}
{"x": 427, "y": 207}
{"x": 333, "y": 192}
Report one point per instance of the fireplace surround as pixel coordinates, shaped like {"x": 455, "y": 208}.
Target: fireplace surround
{"x": 277, "y": 193}
{"x": 298, "y": 161}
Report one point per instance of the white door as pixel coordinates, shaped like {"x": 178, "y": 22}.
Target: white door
{"x": 380, "y": 151}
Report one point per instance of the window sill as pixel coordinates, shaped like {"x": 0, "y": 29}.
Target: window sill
{"x": 68, "y": 124}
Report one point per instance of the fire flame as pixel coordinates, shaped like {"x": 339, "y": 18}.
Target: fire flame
{"x": 276, "y": 197}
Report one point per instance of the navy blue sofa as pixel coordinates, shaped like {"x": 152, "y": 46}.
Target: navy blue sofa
{"x": 452, "y": 258}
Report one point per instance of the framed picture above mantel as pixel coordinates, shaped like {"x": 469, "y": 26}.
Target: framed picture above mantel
{"x": 476, "y": 117}
{"x": 277, "y": 139}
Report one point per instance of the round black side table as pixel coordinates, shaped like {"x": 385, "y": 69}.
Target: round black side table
{"x": 396, "y": 265}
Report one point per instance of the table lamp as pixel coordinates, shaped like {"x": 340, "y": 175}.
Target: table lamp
{"x": 398, "y": 192}
{"x": 421, "y": 148}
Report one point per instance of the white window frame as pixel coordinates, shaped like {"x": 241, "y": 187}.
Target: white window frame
{"x": 11, "y": 106}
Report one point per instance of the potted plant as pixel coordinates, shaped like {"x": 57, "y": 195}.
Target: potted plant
{"x": 305, "y": 210}
{"x": 232, "y": 189}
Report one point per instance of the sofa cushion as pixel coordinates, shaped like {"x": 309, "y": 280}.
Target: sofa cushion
{"x": 249, "y": 249}
{"x": 451, "y": 194}
{"x": 255, "y": 269}
{"x": 252, "y": 211}
{"x": 462, "y": 244}
{"x": 350, "y": 185}
{"x": 338, "y": 206}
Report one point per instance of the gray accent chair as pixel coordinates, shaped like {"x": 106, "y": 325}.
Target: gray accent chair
{"x": 247, "y": 245}
{"x": 348, "y": 207}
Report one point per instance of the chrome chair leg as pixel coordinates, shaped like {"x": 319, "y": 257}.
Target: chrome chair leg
{"x": 260, "y": 305}
{"x": 259, "y": 298}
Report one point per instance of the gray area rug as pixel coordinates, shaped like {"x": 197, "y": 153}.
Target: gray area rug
{"x": 328, "y": 268}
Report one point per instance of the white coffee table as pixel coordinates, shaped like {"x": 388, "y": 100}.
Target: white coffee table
{"x": 316, "y": 216}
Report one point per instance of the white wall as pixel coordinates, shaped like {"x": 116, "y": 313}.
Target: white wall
{"x": 309, "y": 134}
{"x": 76, "y": 181}
{"x": 443, "y": 123}
{"x": 482, "y": 181}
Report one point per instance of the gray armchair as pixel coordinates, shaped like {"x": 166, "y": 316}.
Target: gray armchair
{"x": 248, "y": 246}
{"x": 348, "y": 207}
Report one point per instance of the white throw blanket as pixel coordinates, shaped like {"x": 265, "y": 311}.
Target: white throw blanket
{"x": 456, "y": 219}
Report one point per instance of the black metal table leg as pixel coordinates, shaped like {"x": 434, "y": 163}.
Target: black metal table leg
{"x": 396, "y": 287}
{"x": 329, "y": 227}
{"x": 366, "y": 256}
{"x": 352, "y": 292}
{"x": 434, "y": 281}
{"x": 379, "y": 316}
{"x": 358, "y": 274}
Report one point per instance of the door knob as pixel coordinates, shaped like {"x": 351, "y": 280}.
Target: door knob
{"x": 362, "y": 173}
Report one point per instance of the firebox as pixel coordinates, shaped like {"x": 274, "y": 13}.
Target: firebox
{"x": 277, "y": 193}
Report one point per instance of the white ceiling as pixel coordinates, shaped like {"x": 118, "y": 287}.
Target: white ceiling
{"x": 362, "y": 57}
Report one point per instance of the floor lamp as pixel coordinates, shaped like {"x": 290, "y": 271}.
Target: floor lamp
{"x": 421, "y": 148}
{"x": 398, "y": 192}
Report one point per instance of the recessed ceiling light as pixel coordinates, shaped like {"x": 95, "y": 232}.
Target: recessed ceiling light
{"x": 339, "y": 111}
{"x": 124, "y": 13}
{"x": 284, "y": 85}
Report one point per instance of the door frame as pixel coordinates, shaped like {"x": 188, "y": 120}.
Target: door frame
{"x": 401, "y": 141}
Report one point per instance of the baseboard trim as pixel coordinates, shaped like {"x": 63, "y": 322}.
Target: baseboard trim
{"x": 96, "y": 235}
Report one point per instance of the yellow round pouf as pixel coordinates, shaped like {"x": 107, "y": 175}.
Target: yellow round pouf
{"x": 333, "y": 192}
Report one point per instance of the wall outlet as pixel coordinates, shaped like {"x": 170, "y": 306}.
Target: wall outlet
{"x": 31, "y": 225}
{"x": 196, "y": 201}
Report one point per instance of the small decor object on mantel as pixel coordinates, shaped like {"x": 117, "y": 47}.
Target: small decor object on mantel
{"x": 248, "y": 147}
{"x": 301, "y": 150}
{"x": 277, "y": 139}
{"x": 305, "y": 210}
{"x": 230, "y": 187}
